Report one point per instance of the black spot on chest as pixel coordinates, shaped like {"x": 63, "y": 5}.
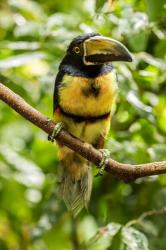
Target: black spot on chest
{"x": 92, "y": 90}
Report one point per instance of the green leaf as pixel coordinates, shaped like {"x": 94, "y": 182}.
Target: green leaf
{"x": 19, "y": 60}
{"x": 155, "y": 9}
{"x": 116, "y": 242}
{"x": 99, "y": 4}
{"x": 134, "y": 239}
{"x": 103, "y": 236}
{"x": 19, "y": 45}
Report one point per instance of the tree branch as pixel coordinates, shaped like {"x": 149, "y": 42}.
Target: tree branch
{"x": 143, "y": 216}
{"x": 126, "y": 172}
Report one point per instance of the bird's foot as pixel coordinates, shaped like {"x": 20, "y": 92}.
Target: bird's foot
{"x": 104, "y": 160}
{"x": 56, "y": 131}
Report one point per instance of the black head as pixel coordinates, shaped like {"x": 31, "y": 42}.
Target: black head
{"x": 76, "y": 47}
{"x": 94, "y": 49}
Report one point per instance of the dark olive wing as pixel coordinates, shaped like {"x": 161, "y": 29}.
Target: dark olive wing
{"x": 58, "y": 81}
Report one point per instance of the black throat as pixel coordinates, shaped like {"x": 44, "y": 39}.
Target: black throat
{"x": 75, "y": 67}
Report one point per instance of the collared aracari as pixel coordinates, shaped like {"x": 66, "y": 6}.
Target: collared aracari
{"x": 85, "y": 89}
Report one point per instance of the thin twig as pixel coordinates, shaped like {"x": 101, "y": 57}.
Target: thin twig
{"x": 141, "y": 218}
{"x": 126, "y": 172}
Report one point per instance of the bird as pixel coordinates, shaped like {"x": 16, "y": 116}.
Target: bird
{"x": 85, "y": 90}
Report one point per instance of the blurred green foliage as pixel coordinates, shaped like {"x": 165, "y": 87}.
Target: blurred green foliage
{"x": 33, "y": 39}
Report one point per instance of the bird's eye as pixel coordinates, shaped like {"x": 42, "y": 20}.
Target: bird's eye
{"x": 76, "y": 50}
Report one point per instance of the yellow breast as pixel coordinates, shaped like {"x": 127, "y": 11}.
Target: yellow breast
{"x": 75, "y": 97}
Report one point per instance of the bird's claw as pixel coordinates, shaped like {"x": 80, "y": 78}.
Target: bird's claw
{"x": 55, "y": 132}
{"x": 104, "y": 160}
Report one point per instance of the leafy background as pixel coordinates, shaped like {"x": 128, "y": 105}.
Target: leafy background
{"x": 33, "y": 39}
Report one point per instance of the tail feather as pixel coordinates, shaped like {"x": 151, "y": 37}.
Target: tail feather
{"x": 75, "y": 192}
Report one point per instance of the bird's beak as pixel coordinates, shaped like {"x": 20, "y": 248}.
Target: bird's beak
{"x": 100, "y": 50}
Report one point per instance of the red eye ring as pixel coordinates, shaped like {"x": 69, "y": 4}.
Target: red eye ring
{"x": 76, "y": 50}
